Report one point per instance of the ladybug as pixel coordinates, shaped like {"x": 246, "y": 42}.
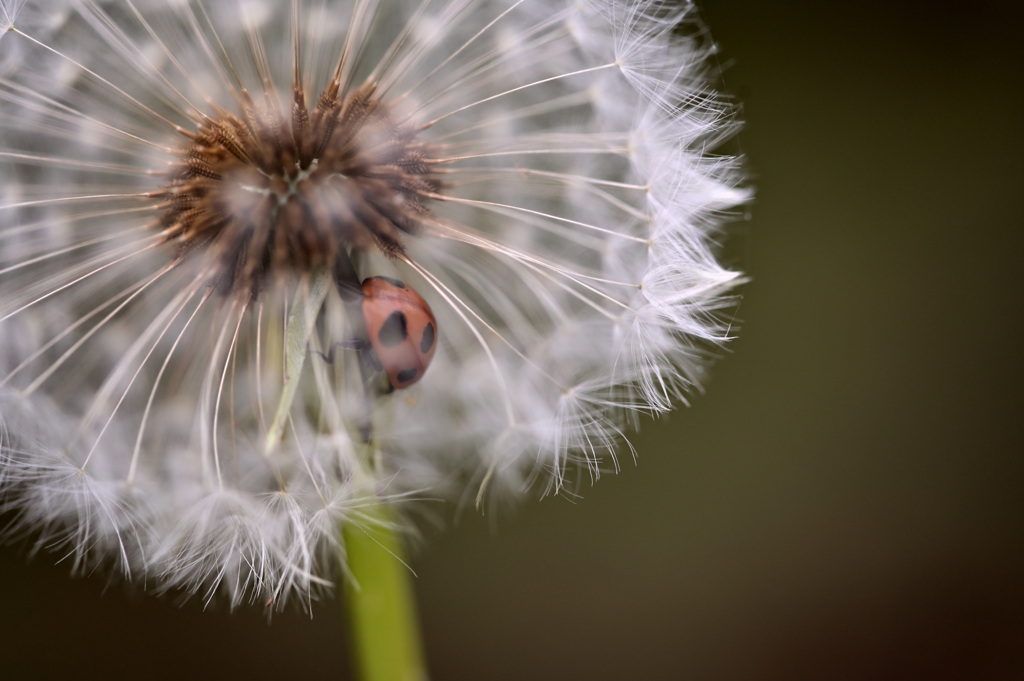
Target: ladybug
{"x": 401, "y": 329}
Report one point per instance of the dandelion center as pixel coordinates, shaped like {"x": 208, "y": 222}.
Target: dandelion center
{"x": 266, "y": 191}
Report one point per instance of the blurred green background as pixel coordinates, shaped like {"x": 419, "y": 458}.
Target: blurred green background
{"x": 846, "y": 500}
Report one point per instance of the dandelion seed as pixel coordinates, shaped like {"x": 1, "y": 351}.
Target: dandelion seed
{"x": 192, "y": 195}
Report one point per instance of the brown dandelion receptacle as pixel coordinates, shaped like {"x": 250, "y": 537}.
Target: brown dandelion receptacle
{"x": 265, "y": 192}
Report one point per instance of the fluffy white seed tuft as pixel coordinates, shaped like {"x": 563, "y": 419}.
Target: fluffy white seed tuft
{"x": 191, "y": 193}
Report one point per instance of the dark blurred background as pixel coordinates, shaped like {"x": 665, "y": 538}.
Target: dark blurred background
{"x": 846, "y": 501}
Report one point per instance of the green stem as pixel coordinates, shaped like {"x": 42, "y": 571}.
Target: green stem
{"x": 378, "y": 593}
{"x": 380, "y": 600}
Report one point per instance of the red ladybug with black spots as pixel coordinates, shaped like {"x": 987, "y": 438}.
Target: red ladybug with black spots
{"x": 401, "y": 329}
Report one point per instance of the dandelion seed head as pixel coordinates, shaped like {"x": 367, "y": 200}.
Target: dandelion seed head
{"x": 192, "y": 194}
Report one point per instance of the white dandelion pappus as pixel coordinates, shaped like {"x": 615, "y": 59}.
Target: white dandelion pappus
{"x": 191, "y": 193}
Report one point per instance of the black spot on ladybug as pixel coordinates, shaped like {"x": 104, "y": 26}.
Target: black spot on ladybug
{"x": 393, "y": 331}
{"x": 427, "y": 341}
{"x": 394, "y": 282}
{"x": 406, "y": 375}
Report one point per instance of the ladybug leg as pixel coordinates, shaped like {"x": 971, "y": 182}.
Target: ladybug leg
{"x": 375, "y": 381}
{"x": 370, "y": 367}
{"x": 354, "y": 344}
{"x": 378, "y": 382}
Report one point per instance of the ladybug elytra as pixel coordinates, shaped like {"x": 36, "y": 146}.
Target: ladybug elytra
{"x": 401, "y": 329}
